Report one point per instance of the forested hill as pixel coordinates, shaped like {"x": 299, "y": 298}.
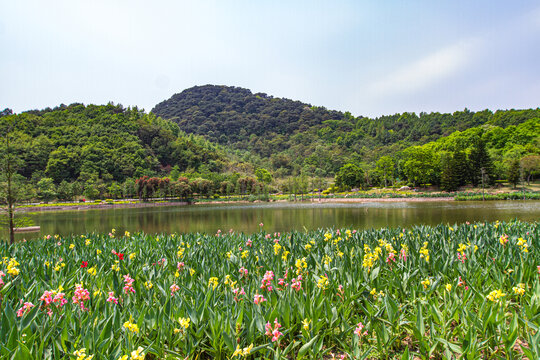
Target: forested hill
{"x": 296, "y": 137}
{"x": 106, "y": 143}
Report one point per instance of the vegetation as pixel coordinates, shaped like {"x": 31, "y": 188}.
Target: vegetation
{"x": 470, "y": 291}
{"x": 293, "y": 138}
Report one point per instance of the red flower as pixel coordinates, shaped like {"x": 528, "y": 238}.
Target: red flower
{"x": 120, "y": 256}
{"x": 84, "y": 264}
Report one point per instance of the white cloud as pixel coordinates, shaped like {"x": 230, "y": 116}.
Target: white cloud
{"x": 427, "y": 71}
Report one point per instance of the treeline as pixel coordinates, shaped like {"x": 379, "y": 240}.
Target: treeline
{"x": 291, "y": 137}
{"x": 99, "y": 151}
{"x": 477, "y": 155}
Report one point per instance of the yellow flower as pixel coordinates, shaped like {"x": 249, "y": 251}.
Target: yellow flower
{"x": 327, "y": 236}
{"x": 426, "y": 283}
{"x": 148, "y": 284}
{"x": 131, "y": 327}
{"x": 519, "y": 290}
{"x": 245, "y": 254}
{"x": 522, "y": 243}
{"x": 92, "y": 271}
{"x": 277, "y": 248}
{"x": 305, "y": 324}
{"x": 213, "y": 282}
{"x": 98, "y": 251}
{"x": 448, "y": 287}
{"x": 322, "y": 283}
{"x": 327, "y": 260}
{"x": 284, "y": 255}
{"x": 424, "y": 252}
{"x": 176, "y": 274}
{"x": 137, "y": 354}
{"x": 12, "y": 268}
{"x": 247, "y": 350}
{"x": 81, "y": 355}
{"x": 495, "y": 295}
{"x": 87, "y": 242}
{"x": 115, "y": 266}
{"x": 47, "y": 263}
{"x": 71, "y": 246}
{"x": 237, "y": 352}
{"x": 191, "y": 271}
{"x": 126, "y": 234}
{"x": 123, "y": 357}
{"x": 307, "y": 247}
{"x": 184, "y": 322}
{"x": 132, "y": 256}
{"x": 180, "y": 252}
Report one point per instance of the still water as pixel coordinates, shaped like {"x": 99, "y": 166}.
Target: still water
{"x": 278, "y": 216}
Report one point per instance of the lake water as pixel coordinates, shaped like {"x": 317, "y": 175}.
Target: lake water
{"x": 278, "y": 216}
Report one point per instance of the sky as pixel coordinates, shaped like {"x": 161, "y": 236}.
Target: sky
{"x": 371, "y": 58}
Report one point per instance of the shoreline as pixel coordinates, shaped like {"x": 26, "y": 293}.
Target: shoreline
{"x": 78, "y": 207}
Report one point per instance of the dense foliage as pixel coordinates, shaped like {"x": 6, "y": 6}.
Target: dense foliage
{"x": 470, "y": 291}
{"x": 293, "y": 137}
{"x": 99, "y": 151}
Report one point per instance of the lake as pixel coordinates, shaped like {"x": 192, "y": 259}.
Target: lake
{"x": 278, "y": 216}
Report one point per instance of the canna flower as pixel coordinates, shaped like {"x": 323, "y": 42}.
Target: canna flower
{"x": 274, "y": 332}
{"x": 84, "y": 264}
{"x": 137, "y": 354}
{"x": 305, "y": 324}
{"x": 213, "y": 282}
{"x": 134, "y": 328}
{"x": 243, "y": 272}
{"x": 267, "y": 281}
{"x": 495, "y": 295}
{"x": 132, "y": 256}
{"x": 24, "y": 309}
{"x": 128, "y": 284}
{"x": 258, "y": 299}
{"x": 503, "y": 239}
{"x": 184, "y": 323}
{"x": 426, "y": 283}
{"x": 71, "y": 246}
{"x": 148, "y": 284}
{"x": 98, "y": 251}
{"x": 358, "y": 330}
{"x": 249, "y": 242}
{"x": 174, "y": 288}
{"x": 126, "y": 234}
{"x": 111, "y": 298}
{"x": 1, "y": 279}
{"x": 296, "y": 284}
{"x": 522, "y": 243}
{"x": 300, "y": 265}
{"x": 519, "y": 289}
{"x": 92, "y": 271}
{"x": 448, "y": 287}
{"x": 424, "y": 252}
{"x": 12, "y": 268}
{"x": 80, "y": 296}
{"x": 323, "y": 283}
{"x": 81, "y": 355}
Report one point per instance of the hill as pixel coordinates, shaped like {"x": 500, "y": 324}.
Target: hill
{"x": 292, "y": 137}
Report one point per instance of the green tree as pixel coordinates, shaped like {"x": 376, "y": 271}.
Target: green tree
{"x": 263, "y": 175}
{"x": 46, "y": 190}
{"x": 531, "y": 166}
{"x": 350, "y": 176}
{"x": 385, "y": 168}
{"x": 514, "y": 172}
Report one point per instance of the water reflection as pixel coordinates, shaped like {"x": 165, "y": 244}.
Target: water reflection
{"x": 279, "y": 216}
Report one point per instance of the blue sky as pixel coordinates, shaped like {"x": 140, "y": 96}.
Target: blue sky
{"x": 367, "y": 57}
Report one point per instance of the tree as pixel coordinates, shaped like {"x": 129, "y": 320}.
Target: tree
{"x": 263, "y": 175}
{"x": 10, "y": 181}
{"x": 514, "y": 172}
{"x": 350, "y": 176}
{"x": 531, "y": 166}
{"x": 46, "y": 189}
{"x": 385, "y": 168}
{"x": 479, "y": 159}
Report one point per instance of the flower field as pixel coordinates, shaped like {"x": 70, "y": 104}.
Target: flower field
{"x": 470, "y": 291}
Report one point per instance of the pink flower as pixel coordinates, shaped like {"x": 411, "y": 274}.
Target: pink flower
{"x": 111, "y": 298}
{"x": 258, "y": 299}
{"x": 174, "y": 288}
{"x": 267, "y": 281}
{"x": 461, "y": 258}
{"x": 249, "y": 242}
{"x": 274, "y": 332}
{"x": 237, "y": 293}
{"x": 391, "y": 257}
{"x": 2, "y": 281}
{"x": 261, "y": 224}
{"x": 243, "y": 272}
{"x": 403, "y": 255}
{"x": 128, "y": 284}
{"x": 358, "y": 330}
{"x": 180, "y": 266}
{"x": 297, "y": 283}
{"x": 47, "y": 297}
{"x": 80, "y": 296}
{"x": 25, "y": 308}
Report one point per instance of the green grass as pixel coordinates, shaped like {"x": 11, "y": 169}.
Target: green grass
{"x": 410, "y": 307}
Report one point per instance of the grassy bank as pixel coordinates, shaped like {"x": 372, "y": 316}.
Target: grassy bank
{"x": 471, "y": 290}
